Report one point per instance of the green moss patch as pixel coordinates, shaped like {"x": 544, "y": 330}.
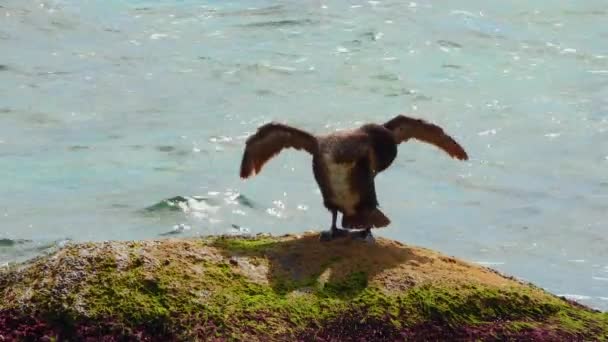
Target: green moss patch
{"x": 243, "y": 245}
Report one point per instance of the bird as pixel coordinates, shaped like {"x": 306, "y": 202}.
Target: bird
{"x": 345, "y": 164}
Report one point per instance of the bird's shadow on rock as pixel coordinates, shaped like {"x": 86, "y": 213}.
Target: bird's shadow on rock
{"x": 339, "y": 268}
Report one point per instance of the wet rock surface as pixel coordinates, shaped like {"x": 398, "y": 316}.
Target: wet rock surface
{"x": 268, "y": 288}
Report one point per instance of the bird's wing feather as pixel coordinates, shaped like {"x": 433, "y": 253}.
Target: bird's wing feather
{"x": 268, "y": 141}
{"x": 424, "y": 131}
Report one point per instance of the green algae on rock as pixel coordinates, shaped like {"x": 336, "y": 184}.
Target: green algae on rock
{"x": 274, "y": 289}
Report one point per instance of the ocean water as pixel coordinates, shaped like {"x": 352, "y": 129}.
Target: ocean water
{"x": 126, "y": 120}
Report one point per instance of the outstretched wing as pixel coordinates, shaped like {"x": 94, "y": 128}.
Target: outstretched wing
{"x": 405, "y": 128}
{"x": 268, "y": 141}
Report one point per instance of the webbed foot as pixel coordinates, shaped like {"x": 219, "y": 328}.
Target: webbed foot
{"x": 334, "y": 233}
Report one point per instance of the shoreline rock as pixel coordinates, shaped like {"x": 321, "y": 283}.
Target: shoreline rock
{"x": 268, "y": 288}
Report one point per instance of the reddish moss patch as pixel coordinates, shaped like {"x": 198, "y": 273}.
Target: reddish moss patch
{"x": 358, "y": 326}
{"x": 15, "y": 326}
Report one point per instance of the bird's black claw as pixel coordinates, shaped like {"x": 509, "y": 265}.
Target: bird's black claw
{"x": 328, "y": 235}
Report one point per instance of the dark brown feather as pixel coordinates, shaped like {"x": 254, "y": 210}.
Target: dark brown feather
{"x": 365, "y": 219}
{"x": 404, "y": 128}
{"x": 346, "y": 147}
{"x": 268, "y": 141}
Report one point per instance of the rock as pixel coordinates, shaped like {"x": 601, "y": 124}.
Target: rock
{"x": 264, "y": 288}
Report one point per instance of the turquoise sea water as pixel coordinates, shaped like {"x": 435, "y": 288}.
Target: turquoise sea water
{"x": 111, "y": 107}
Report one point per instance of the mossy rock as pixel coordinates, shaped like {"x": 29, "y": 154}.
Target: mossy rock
{"x": 290, "y": 288}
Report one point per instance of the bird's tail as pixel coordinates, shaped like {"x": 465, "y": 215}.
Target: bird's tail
{"x": 367, "y": 219}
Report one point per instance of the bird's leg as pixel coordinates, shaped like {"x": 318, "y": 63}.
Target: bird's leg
{"x": 364, "y": 235}
{"x": 334, "y": 231}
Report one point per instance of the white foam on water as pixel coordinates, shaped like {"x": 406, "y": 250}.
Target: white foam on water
{"x": 489, "y": 263}
{"x": 575, "y": 296}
